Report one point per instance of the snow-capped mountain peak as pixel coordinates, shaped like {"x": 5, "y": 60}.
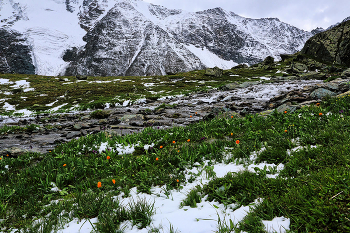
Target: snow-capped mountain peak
{"x": 133, "y": 37}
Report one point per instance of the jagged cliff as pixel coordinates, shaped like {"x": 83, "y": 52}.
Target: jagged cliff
{"x": 331, "y": 46}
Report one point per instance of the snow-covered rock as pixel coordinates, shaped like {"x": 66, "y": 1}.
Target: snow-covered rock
{"x": 132, "y": 37}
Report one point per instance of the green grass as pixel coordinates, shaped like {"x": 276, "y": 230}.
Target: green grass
{"x": 312, "y": 189}
{"x": 96, "y": 92}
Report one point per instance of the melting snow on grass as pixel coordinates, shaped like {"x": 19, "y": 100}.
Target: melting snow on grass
{"x": 168, "y": 213}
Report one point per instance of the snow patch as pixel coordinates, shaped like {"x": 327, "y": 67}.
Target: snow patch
{"x": 210, "y": 59}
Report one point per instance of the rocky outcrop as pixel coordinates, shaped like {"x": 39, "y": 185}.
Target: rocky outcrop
{"x": 331, "y": 46}
{"x": 120, "y": 45}
{"x": 216, "y": 72}
{"x": 15, "y": 54}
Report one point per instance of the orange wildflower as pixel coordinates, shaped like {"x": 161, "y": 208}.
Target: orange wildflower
{"x": 99, "y": 184}
{"x": 64, "y": 165}
{"x": 108, "y": 157}
{"x": 196, "y": 113}
{"x": 237, "y": 141}
{"x": 157, "y": 159}
{"x": 188, "y": 140}
{"x": 231, "y": 116}
{"x": 320, "y": 114}
{"x": 190, "y": 116}
{"x": 7, "y": 155}
{"x": 231, "y": 134}
{"x": 161, "y": 147}
{"x": 285, "y": 111}
{"x": 177, "y": 180}
{"x": 0, "y": 158}
{"x": 178, "y": 151}
{"x": 285, "y": 131}
{"x": 173, "y": 141}
{"x": 318, "y": 104}
{"x": 113, "y": 181}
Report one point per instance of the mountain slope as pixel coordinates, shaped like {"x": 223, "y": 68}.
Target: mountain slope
{"x": 331, "y": 46}
{"x": 132, "y": 37}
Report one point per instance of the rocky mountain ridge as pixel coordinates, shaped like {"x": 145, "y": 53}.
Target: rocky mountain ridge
{"x": 331, "y": 46}
{"x": 132, "y": 37}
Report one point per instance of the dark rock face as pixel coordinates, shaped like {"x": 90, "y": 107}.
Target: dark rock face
{"x": 126, "y": 41}
{"x": 331, "y": 46}
{"x": 268, "y": 60}
{"x": 317, "y": 30}
{"x": 15, "y": 54}
{"x": 118, "y": 45}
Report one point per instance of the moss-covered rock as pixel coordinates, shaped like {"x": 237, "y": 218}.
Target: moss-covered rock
{"x": 331, "y": 46}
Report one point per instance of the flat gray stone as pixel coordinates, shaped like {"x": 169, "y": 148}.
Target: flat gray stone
{"x": 73, "y": 134}
{"x": 321, "y": 93}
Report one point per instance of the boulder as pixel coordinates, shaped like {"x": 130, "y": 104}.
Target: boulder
{"x": 285, "y": 57}
{"x": 13, "y": 152}
{"x": 300, "y": 67}
{"x": 321, "y": 93}
{"x": 331, "y": 46}
{"x": 73, "y": 134}
{"x": 313, "y": 75}
{"x": 268, "y": 60}
{"x": 287, "y": 107}
{"x": 216, "y": 72}
{"x": 240, "y": 66}
{"x": 346, "y": 73}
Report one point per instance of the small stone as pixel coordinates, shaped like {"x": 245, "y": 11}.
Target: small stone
{"x": 13, "y": 152}
{"x": 73, "y": 134}
{"x": 346, "y": 73}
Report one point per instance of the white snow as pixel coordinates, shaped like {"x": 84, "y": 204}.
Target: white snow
{"x": 203, "y": 218}
{"x": 8, "y": 107}
{"x": 58, "y": 107}
{"x": 52, "y": 33}
{"x": 4, "y": 81}
{"x": 210, "y": 59}
{"x": 278, "y": 224}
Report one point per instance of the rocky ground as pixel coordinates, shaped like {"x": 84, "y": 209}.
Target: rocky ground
{"x": 283, "y": 94}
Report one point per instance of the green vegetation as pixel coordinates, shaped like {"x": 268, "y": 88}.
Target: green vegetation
{"x": 312, "y": 189}
{"x": 42, "y": 192}
{"x": 18, "y": 129}
{"x": 68, "y": 93}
